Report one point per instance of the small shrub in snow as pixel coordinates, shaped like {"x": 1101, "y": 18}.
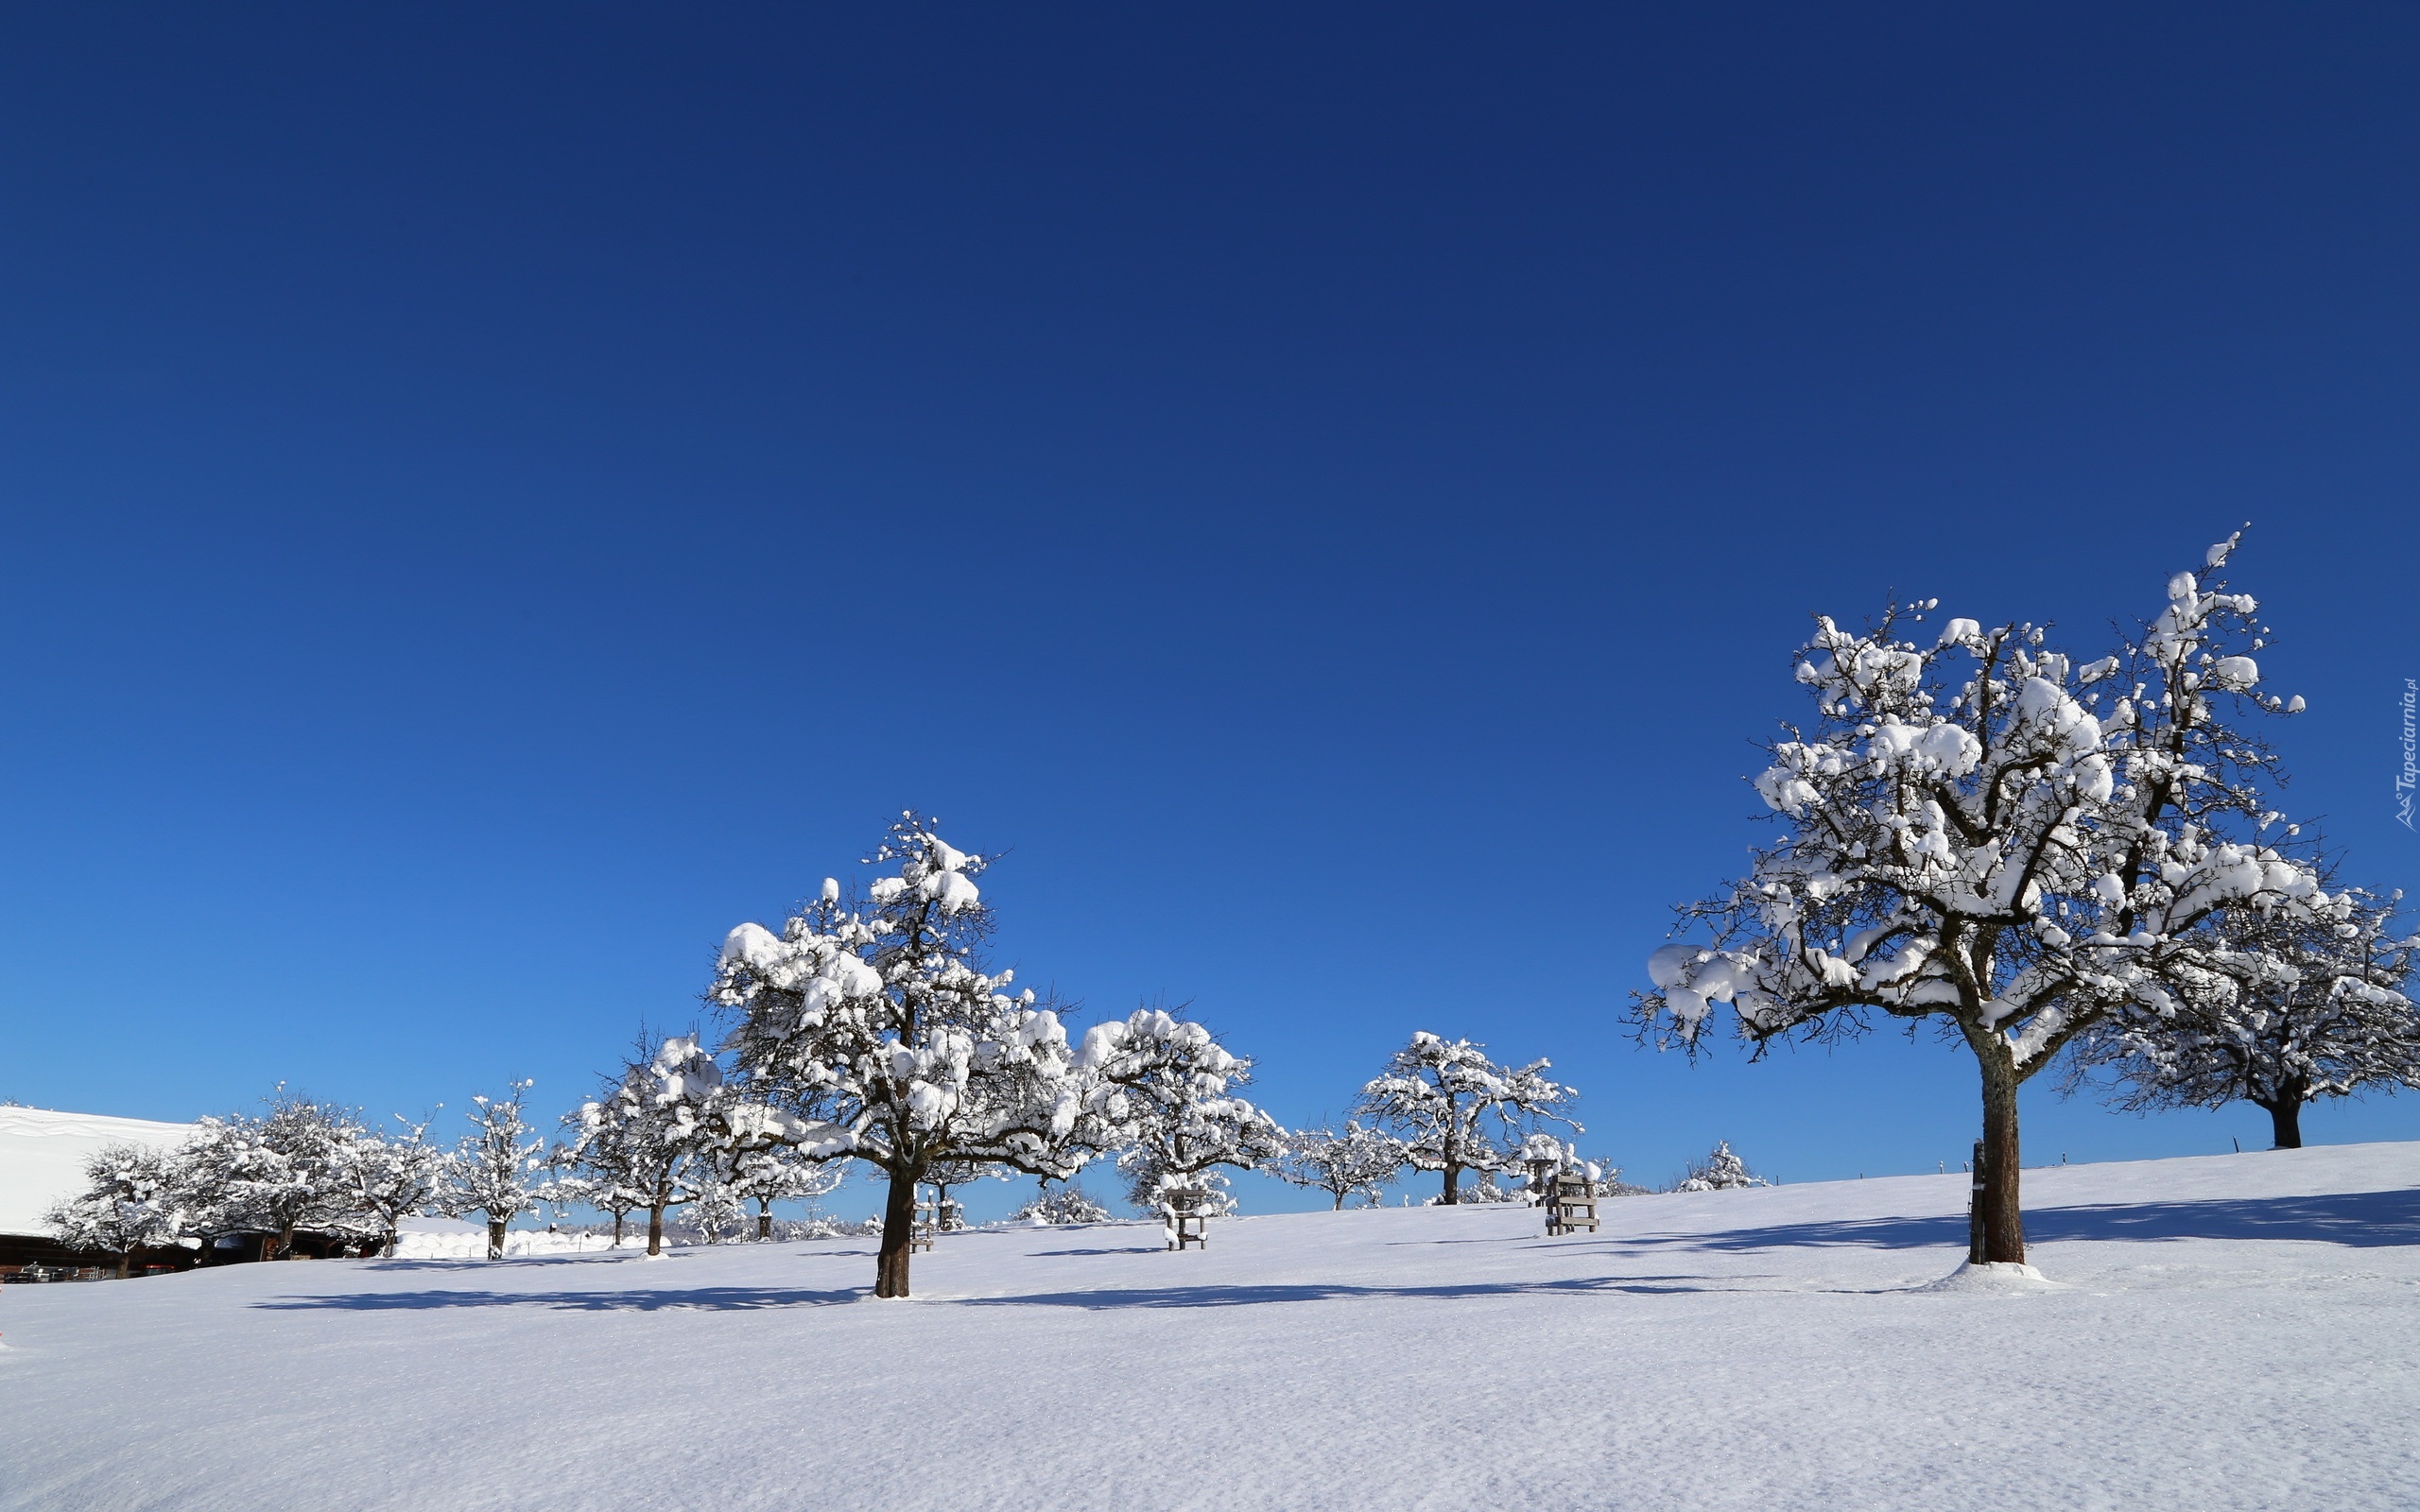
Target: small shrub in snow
{"x": 1721, "y": 1171}
{"x": 1358, "y": 1162}
{"x": 1067, "y": 1204}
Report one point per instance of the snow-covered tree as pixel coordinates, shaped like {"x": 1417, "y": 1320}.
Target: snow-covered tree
{"x": 1064, "y": 1204}
{"x": 1161, "y": 1091}
{"x": 872, "y": 1025}
{"x": 945, "y": 1177}
{"x": 392, "y": 1178}
{"x": 286, "y": 1170}
{"x": 1721, "y": 1171}
{"x": 131, "y": 1201}
{"x": 1457, "y": 1111}
{"x": 1357, "y": 1161}
{"x": 496, "y": 1169}
{"x": 1971, "y": 834}
{"x": 2320, "y": 1006}
{"x": 772, "y": 1171}
{"x": 660, "y": 1131}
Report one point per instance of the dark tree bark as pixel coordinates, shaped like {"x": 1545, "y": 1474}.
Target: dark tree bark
{"x": 495, "y": 1238}
{"x": 655, "y": 1229}
{"x": 2003, "y": 1211}
{"x": 2286, "y": 1117}
{"x": 898, "y": 1232}
{"x": 125, "y": 1264}
{"x": 617, "y": 1228}
{"x": 1453, "y": 1184}
{"x": 764, "y": 1219}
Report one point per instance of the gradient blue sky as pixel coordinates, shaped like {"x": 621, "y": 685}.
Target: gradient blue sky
{"x": 492, "y": 500}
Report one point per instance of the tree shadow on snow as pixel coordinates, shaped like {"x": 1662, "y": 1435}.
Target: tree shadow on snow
{"x": 2359, "y": 1219}
{"x": 702, "y": 1299}
{"x": 1147, "y": 1296}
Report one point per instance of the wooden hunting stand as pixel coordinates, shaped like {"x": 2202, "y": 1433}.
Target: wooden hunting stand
{"x": 1189, "y": 1225}
{"x": 1570, "y": 1206}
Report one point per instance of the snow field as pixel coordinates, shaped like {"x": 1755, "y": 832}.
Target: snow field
{"x": 2231, "y": 1332}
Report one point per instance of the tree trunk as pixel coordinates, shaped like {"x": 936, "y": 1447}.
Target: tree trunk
{"x": 1340, "y": 1202}
{"x": 618, "y": 1216}
{"x": 387, "y": 1249}
{"x": 285, "y": 1243}
{"x": 655, "y": 1231}
{"x": 495, "y": 1238}
{"x": 2286, "y": 1118}
{"x": 764, "y": 1219}
{"x": 2003, "y": 1214}
{"x": 125, "y": 1264}
{"x": 898, "y": 1229}
{"x": 1453, "y": 1184}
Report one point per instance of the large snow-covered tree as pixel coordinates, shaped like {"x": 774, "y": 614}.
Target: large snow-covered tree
{"x": 280, "y": 1173}
{"x": 1356, "y": 1161}
{"x": 1162, "y": 1091}
{"x": 496, "y": 1169}
{"x": 660, "y": 1130}
{"x": 393, "y": 1177}
{"x": 1457, "y": 1111}
{"x": 2319, "y": 1006}
{"x": 131, "y": 1200}
{"x": 1982, "y": 832}
{"x": 873, "y": 1025}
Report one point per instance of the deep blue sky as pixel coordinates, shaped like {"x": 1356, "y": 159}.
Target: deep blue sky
{"x": 493, "y": 500}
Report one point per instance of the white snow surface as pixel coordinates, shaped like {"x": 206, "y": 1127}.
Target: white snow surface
{"x": 2234, "y": 1332}
{"x": 43, "y": 1155}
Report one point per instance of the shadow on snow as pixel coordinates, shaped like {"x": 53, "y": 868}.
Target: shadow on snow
{"x": 701, "y": 1300}
{"x": 2360, "y": 1219}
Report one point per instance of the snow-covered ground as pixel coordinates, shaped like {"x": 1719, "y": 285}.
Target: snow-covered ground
{"x": 2232, "y": 1331}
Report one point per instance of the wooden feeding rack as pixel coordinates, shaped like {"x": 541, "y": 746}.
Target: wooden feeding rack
{"x": 1571, "y": 1207}
{"x": 1189, "y": 1225}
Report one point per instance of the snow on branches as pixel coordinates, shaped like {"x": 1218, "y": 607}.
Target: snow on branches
{"x": 2315, "y": 1006}
{"x": 277, "y": 1174}
{"x": 131, "y": 1200}
{"x": 1721, "y": 1171}
{"x": 1356, "y": 1163}
{"x": 1457, "y": 1111}
{"x": 493, "y": 1170}
{"x": 652, "y": 1139}
{"x": 1979, "y": 828}
{"x": 1162, "y": 1088}
{"x": 871, "y": 1025}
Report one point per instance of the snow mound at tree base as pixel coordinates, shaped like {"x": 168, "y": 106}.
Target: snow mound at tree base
{"x": 1995, "y": 1276}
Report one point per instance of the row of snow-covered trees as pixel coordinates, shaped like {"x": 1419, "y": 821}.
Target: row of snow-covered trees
{"x": 300, "y": 1167}
{"x": 2046, "y": 855}
{"x": 868, "y": 1027}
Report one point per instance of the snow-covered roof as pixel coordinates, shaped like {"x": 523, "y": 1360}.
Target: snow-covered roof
{"x": 42, "y": 1157}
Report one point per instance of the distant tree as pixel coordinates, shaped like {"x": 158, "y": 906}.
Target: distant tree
{"x": 660, "y": 1127}
{"x": 1721, "y": 1172}
{"x": 1063, "y": 1204}
{"x": 392, "y": 1178}
{"x": 768, "y": 1173}
{"x": 131, "y": 1201}
{"x": 1358, "y": 1162}
{"x": 875, "y": 1027}
{"x": 1457, "y": 1111}
{"x": 1162, "y": 1088}
{"x": 495, "y": 1169}
{"x": 2317, "y": 1006}
{"x": 944, "y": 1176}
{"x": 1970, "y": 835}
{"x": 286, "y": 1170}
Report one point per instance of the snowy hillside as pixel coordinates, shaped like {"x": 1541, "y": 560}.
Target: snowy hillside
{"x": 2232, "y": 1331}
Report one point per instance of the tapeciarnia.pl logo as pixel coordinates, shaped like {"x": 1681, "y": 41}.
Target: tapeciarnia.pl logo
{"x": 2410, "y": 776}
